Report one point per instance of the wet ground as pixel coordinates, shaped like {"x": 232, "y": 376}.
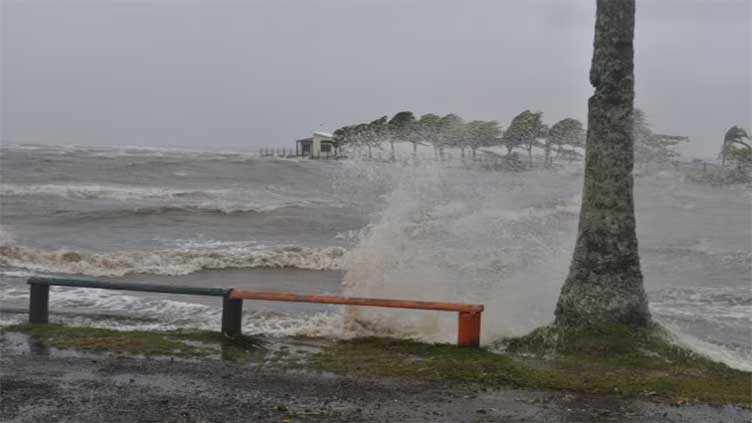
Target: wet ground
{"x": 39, "y": 384}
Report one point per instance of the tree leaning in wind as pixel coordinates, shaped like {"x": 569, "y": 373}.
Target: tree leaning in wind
{"x": 564, "y": 132}
{"x": 605, "y": 282}
{"x": 734, "y": 135}
{"x": 523, "y": 132}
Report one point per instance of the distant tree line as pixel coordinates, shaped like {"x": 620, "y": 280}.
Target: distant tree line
{"x": 565, "y": 139}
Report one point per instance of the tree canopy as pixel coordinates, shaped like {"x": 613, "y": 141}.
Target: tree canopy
{"x": 524, "y": 131}
{"x": 735, "y": 148}
{"x": 649, "y": 146}
{"x": 566, "y": 132}
{"x": 732, "y": 141}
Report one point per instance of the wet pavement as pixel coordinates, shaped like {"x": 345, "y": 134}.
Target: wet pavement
{"x": 39, "y": 384}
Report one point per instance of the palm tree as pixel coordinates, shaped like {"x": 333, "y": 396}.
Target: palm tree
{"x": 734, "y": 135}
{"x": 604, "y": 284}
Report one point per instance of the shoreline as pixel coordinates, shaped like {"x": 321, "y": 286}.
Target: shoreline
{"x": 44, "y": 383}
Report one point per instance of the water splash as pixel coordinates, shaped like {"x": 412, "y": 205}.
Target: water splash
{"x": 459, "y": 235}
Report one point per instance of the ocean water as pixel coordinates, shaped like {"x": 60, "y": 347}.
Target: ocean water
{"x": 409, "y": 229}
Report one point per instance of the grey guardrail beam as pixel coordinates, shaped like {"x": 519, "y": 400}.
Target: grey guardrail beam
{"x": 128, "y": 286}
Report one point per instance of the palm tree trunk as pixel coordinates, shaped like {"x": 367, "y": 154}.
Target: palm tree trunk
{"x": 605, "y": 282}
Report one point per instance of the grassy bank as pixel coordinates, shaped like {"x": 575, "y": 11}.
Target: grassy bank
{"x": 632, "y": 363}
{"x": 191, "y": 343}
{"x": 608, "y": 360}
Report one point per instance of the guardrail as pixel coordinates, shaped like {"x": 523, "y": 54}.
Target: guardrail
{"x": 468, "y": 332}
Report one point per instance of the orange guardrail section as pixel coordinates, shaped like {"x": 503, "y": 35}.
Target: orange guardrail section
{"x": 468, "y": 333}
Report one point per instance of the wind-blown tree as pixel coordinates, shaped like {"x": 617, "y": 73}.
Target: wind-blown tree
{"x": 741, "y": 156}
{"x": 542, "y": 135}
{"x": 649, "y": 146}
{"x": 348, "y": 137}
{"x": 734, "y": 136}
{"x": 451, "y": 133}
{"x": 604, "y": 284}
{"x": 427, "y": 130}
{"x": 374, "y": 133}
{"x": 341, "y": 138}
{"x": 524, "y": 131}
{"x": 363, "y": 135}
{"x": 402, "y": 127}
{"x": 566, "y": 132}
{"x": 480, "y": 133}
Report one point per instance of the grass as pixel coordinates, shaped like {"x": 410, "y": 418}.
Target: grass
{"x": 600, "y": 360}
{"x": 179, "y": 343}
{"x": 605, "y": 360}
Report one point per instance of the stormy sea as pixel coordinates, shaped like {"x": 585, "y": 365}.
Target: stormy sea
{"x": 448, "y": 230}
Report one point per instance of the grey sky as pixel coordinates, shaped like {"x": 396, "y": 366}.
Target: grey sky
{"x": 246, "y": 74}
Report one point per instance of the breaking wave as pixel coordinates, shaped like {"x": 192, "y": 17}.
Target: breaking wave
{"x": 108, "y": 192}
{"x": 453, "y": 234}
{"x": 180, "y": 261}
{"x": 160, "y": 200}
{"x": 203, "y": 209}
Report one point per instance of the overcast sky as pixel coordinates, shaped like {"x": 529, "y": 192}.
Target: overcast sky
{"x": 248, "y": 74}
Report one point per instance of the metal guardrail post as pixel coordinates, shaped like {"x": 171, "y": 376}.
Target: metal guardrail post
{"x": 232, "y": 316}
{"x": 39, "y": 299}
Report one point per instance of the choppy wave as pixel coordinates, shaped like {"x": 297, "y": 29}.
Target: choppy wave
{"x": 204, "y": 209}
{"x": 109, "y": 192}
{"x": 713, "y": 321}
{"x": 121, "y": 151}
{"x": 716, "y": 305}
{"x": 159, "y": 200}
{"x": 738, "y": 357}
{"x": 180, "y": 261}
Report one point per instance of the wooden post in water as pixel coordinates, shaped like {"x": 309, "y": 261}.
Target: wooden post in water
{"x": 39, "y": 299}
{"x": 232, "y": 316}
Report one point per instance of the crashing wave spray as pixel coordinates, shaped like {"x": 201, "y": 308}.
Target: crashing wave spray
{"x": 456, "y": 234}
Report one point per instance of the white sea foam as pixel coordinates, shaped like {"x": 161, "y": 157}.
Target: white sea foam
{"x": 124, "y": 311}
{"x": 738, "y": 358}
{"x": 178, "y": 261}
